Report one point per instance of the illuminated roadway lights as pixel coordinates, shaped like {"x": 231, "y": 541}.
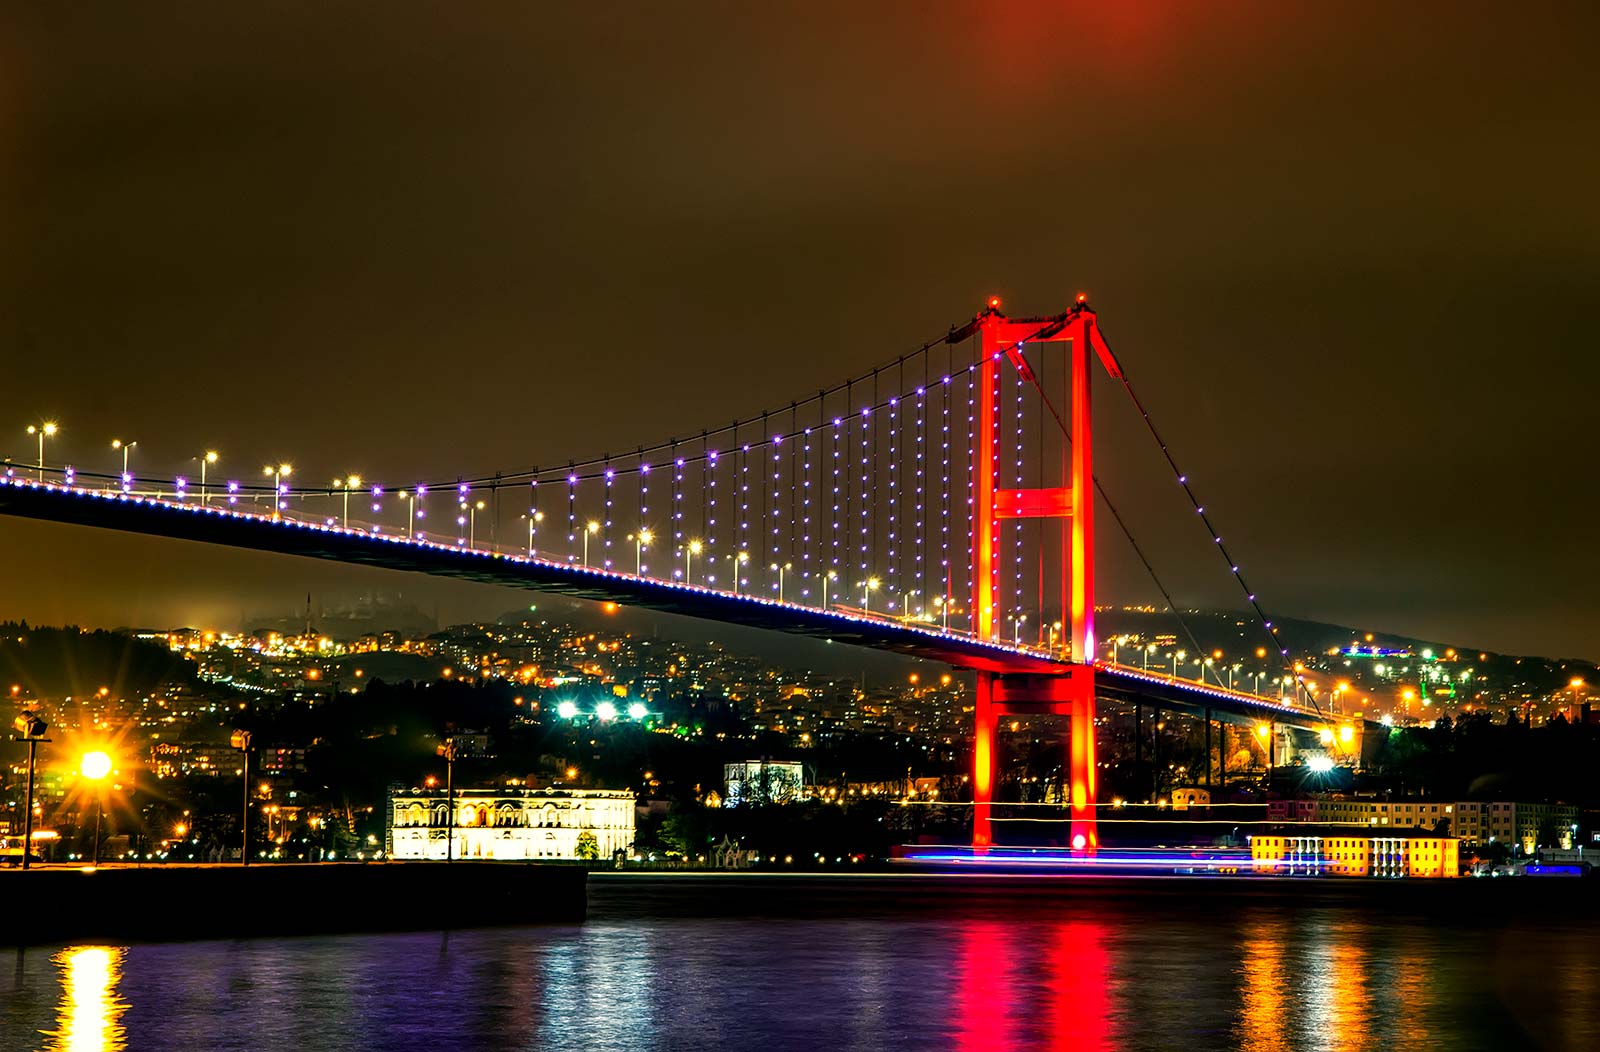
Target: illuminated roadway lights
{"x": 605, "y": 712}
{"x": 690, "y": 550}
{"x": 638, "y": 711}
{"x": 641, "y": 541}
{"x": 534, "y": 517}
{"x": 411, "y": 516}
{"x": 45, "y": 430}
{"x": 590, "y": 528}
{"x": 346, "y": 485}
{"x": 206, "y": 459}
{"x": 831, "y": 575}
{"x": 470, "y": 520}
{"x": 1319, "y": 764}
{"x": 117, "y": 443}
{"x": 277, "y": 474}
{"x": 781, "y": 569}
{"x": 866, "y": 593}
{"x": 736, "y": 562}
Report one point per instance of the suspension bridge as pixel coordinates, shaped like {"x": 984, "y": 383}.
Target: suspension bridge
{"x": 940, "y": 506}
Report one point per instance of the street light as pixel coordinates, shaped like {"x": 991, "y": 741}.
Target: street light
{"x": 279, "y": 473}
{"x": 690, "y": 550}
{"x": 30, "y": 728}
{"x": 211, "y": 456}
{"x": 241, "y": 740}
{"x": 447, "y": 749}
{"x": 590, "y": 528}
{"x": 94, "y": 766}
{"x": 346, "y": 484}
{"x": 1177, "y": 656}
{"x": 470, "y": 520}
{"x": 117, "y": 443}
{"x": 738, "y": 561}
{"x": 534, "y": 517}
{"x": 833, "y": 575}
{"x": 641, "y": 541}
{"x": 411, "y": 516}
{"x": 45, "y": 430}
{"x": 781, "y": 570}
{"x": 866, "y": 593}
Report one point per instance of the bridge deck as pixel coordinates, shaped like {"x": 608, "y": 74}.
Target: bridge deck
{"x": 229, "y": 526}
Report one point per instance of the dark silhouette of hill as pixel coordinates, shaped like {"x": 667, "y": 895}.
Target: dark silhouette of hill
{"x": 69, "y": 662}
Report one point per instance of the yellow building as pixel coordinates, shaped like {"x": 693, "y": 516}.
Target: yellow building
{"x": 1344, "y": 854}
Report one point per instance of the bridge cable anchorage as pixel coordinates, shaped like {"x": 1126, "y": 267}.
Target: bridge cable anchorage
{"x": 1268, "y": 628}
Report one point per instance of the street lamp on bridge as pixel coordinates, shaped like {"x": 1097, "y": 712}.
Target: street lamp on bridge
{"x": 45, "y": 430}
{"x": 278, "y": 474}
{"x": 781, "y": 570}
{"x": 738, "y": 561}
{"x": 470, "y": 521}
{"x": 641, "y": 541}
{"x": 117, "y": 443}
{"x": 690, "y": 550}
{"x": 206, "y": 459}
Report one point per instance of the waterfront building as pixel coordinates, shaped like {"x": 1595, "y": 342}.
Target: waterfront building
{"x": 515, "y": 824}
{"x": 763, "y": 782}
{"x": 1473, "y": 822}
{"x": 1342, "y": 853}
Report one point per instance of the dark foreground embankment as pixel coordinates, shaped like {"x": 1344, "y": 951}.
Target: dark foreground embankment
{"x": 50, "y": 904}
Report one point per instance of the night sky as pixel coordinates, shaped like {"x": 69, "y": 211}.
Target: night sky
{"x": 1351, "y": 258}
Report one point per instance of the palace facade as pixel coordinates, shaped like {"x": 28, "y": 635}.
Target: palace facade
{"x": 516, "y": 824}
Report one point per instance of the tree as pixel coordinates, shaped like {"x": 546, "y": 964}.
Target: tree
{"x": 588, "y": 847}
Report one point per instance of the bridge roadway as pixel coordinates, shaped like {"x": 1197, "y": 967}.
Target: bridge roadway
{"x": 226, "y": 525}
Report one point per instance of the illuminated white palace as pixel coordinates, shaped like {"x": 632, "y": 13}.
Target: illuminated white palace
{"x": 518, "y": 824}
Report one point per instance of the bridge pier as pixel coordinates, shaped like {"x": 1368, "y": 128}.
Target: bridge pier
{"x": 1070, "y": 695}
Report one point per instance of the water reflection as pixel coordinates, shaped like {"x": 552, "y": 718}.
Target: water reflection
{"x": 1080, "y": 987}
{"x": 1099, "y": 975}
{"x": 981, "y": 1012}
{"x": 88, "y": 1018}
{"x": 1263, "y": 1021}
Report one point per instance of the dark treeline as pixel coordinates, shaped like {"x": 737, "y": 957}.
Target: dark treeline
{"x": 1475, "y": 757}
{"x": 69, "y": 662}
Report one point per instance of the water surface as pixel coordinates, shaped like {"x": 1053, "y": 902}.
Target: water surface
{"x": 778, "y": 965}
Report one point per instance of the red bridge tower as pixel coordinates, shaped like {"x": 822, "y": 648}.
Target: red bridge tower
{"x": 1070, "y": 693}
